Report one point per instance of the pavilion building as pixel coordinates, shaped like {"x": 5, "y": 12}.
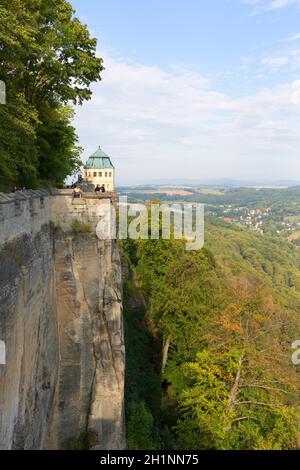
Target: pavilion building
{"x": 99, "y": 170}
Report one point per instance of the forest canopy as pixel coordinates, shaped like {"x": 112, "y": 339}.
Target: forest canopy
{"x": 213, "y": 329}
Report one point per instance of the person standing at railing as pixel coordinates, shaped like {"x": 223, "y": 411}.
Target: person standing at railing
{"x": 77, "y": 193}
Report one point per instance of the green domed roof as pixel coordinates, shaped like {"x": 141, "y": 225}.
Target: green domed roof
{"x": 98, "y": 161}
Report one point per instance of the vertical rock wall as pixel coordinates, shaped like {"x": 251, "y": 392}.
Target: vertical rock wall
{"x": 29, "y": 329}
{"x": 90, "y": 392}
{"x": 61, "y": 321}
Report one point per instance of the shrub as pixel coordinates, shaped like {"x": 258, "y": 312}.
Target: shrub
{"x": 77, "y": 226}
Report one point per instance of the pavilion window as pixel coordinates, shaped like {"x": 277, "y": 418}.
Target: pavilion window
{"x": 100, "y": 174}
{"x": 106, "y": 174}
{"x": 95, "y": 173}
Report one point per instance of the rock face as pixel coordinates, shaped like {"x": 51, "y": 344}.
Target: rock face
{"x": 28, "y": 326}
{"x": 61, "y": 321}
{"x": 90, "y": 390}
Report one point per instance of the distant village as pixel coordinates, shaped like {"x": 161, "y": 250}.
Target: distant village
{"x": 258, "y": 220}
{"x": 252, "y": 218}
{"x": 247, "y": 207}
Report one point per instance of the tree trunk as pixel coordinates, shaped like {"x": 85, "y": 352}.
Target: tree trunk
{"x": 233, "y": 394}
{"x": 165, "y": 355}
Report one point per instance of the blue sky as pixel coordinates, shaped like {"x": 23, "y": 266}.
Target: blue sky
{"x": 196, "y": 88}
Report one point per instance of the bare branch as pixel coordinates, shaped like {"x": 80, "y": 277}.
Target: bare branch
{"x": 265, "y": 387}
{"x": 260, "y": 403}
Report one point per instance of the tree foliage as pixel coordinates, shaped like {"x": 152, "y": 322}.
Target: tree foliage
{"x": 48, "y": 60}
{"x": 226, "y": 317}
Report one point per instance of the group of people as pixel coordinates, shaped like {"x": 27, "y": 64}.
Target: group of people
{"x": 99, "y": 188}
{"x": 78, "y": 191}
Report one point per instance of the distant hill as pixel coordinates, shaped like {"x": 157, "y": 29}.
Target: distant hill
{"x": 216, "y": 183}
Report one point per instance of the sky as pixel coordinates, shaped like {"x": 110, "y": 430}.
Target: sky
{"x": 195, "y": 89}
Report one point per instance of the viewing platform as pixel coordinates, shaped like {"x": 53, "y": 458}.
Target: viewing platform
{"x": 112, "y": 195}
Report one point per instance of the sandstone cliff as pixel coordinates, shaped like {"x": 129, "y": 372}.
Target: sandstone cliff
{"x": 28, "y": 326}
{"x": 89, "y": 395}
{"x": 61, "y": 321}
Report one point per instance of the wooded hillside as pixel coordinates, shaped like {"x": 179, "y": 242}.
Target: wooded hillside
{"x": 212, "y": 332}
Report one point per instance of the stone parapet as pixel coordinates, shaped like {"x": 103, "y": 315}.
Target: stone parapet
{"x": 27, "y": 211}
{"x": 23, "y": 212}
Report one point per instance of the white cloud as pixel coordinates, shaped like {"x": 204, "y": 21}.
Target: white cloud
{"x": 286, "y": 60}
{"x": 159, "y": 123}
{"x": 277, "y": 4}
{"x": 275, "y": 62}
{"x": 271, "y": 4}
{"x": 291, "y": 38}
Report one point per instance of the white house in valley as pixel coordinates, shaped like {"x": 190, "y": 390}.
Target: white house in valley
{"x": 99, "y": 170}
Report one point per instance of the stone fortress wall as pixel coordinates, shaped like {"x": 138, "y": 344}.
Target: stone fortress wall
{"x": 23, "y": 212}
{"x": 27, "y": 211}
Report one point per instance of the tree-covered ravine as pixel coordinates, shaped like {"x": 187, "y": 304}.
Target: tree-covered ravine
{"x": 208, "y": 342}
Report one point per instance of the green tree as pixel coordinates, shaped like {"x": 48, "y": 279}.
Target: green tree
{"x": 18, "y": 150}
{"x": 208, "y": 418}
{"x": 204, "y": 410}
{"x": 139, "y": 427}
{"x": 56, "y": 142}
{"x": 48, "y": 60}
